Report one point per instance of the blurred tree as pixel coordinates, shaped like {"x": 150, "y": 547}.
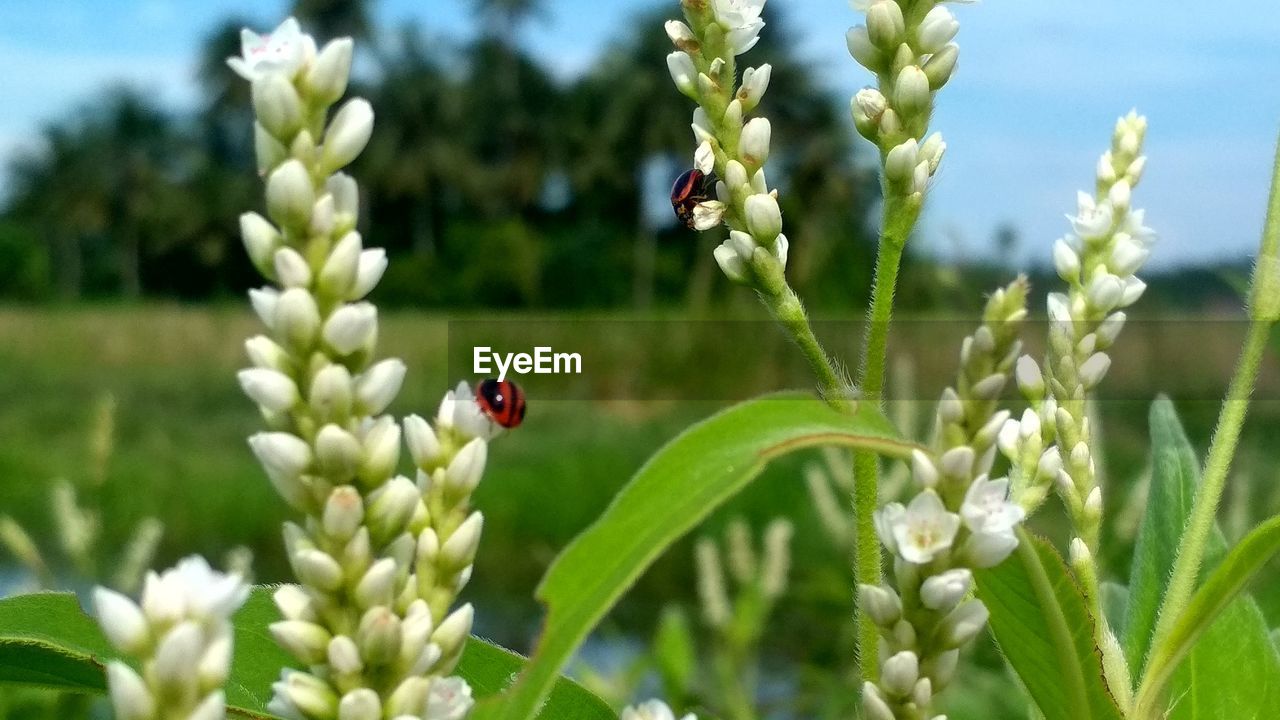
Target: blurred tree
{"x": 335, "y": 18}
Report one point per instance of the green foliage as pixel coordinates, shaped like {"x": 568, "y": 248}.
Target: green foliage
{"x": 1174, "y": 476}
{"x": 1042, "y": 623}
{"x": 673, "y": 492}
{"x": 1231, "y": 663}
{"x": 47, "y": 640}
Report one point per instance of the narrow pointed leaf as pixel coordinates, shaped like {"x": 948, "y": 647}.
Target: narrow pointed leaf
{"x": 674, "y": 491}
{"x": 1040, "y": 619}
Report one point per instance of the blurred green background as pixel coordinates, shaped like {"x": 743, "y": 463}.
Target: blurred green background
{"x": 503, "y": 191}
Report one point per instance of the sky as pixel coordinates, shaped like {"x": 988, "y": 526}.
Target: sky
{"x": 1026, "y": 116}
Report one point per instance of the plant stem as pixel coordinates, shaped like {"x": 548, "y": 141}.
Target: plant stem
{"x": 1186, "y": 569}
{"x": 899, "y": 218}
{"x": 789, "y": 311}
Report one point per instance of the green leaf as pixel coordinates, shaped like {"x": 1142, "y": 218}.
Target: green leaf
{"x": 1040, "y": 619}
{"x": 47, "y": 640}
{"x": 674, "y": 491}
{"x": 1175, "y": 474}
{"x": 1232, "y": 668}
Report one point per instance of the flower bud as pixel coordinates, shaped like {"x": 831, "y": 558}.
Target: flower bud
{"x": 764, "y": 218}
{"x": 681, "y": 36}
{"x": 1094, "y": 369}
{"x": 337, "y": 453}
{"x": 290, "y": 196}
{"x": 1105, "y": 291}
{"x": 733, "y": 266}
{"x": 899, "y": 674}
{"x": 963, "y": 624}
{"x": 331, "y": 394}
{"x": 1128, "y": 255}
{"x": 391, "y": 507}
{"x": 911, "y": 91}
{"x": 683, "y": 73}
{"x": 377, "y": 585}
{"x": 351, "y": 328}
{"x": 346, "y": 198}
{"x": 294, "y": 603}
{"x": 937, "y": 29}
{"x": 943, "y": 591}
{"x": 881, "y": 604}
{"x": 271, "y": 389}
{"x": 267, "y": 151}
{"x": 343, "y": 513}
{"x": 177, "y": 652}
{"x": 378, "y": 636}
{"x": 306, "y": 641}
{"x": 263, "y": 352}
{"x": 452, "y": 633}
{"x": 122, "y": 621}
{"x": 338, "y": 274}
{"x": 379, "y": 385}
{"x": 344, "y": 656}
{"x": 858, "y": 40}
{"x": 424, "y": 445}
{"x": 360, "y": 704}
{"x": 291, "y": 269}
{"x": 923, "y": 469}
{"x": 330, "y": 71}
{"x": 467, "y": 467}
{"x": 317, "y": 569}
{"x": 755, "y": 81}
{"x": 265, "y": 301}
{"x": 347, "y": 135}
{"x": 885, "y": 24}
{"x": 1030, "y": 379}
{"x": 297, "y": 318}
{"x": 873, "y": 705}
{"x": 409, "y": 698}
{"x": 754, "y": 144}
{"x": 459, "y": 550}
{"x": 900, "y": 163}
{"x": 277, "y": 106}
{"x": 283, "y": 456}
{"x": 381, "y": 451}
{"x": 129, "y": 695}
{"x": 942, "y": 66}
{"x": 309, "y": 694}
{"x": 1133, "y": 290}
{"x": 957, "y": 463}
{"x": 369, "y": 270}
{"x": 260, "y": 240}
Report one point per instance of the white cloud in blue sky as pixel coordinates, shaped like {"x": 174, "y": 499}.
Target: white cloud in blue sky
{"x": 1039, "y": 86}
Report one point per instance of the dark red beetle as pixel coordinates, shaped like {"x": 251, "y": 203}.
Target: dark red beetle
{"x": 502, "y": 401}
{"x": 691, "y": 189}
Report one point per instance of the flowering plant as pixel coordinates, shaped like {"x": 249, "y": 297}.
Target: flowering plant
{"x": 372, "y": 628}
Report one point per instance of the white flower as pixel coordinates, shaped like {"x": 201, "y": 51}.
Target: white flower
{"x": 885, "y": 519}
{"x": 709, "y": 214}
{"x": 741, "y": 21}
{"x": 195, "y": 590}
{"x": 450, "y": 699}
{"x": 284, "y": 50}
{"x": 925, "y": 529}
{"x": 987, "y": 509}
{"x": 652, "y": 710}
{"x": 1092, "y": 220}
{"x": 460, "y": 412}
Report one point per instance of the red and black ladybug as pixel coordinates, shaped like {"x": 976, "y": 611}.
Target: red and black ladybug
{"x": 502, "y": 401}
{"x": 691, "y": 189}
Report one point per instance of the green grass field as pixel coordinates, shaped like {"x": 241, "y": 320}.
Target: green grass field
{"x": 180, "y": 451}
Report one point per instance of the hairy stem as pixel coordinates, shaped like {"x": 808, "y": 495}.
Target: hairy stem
{"x": 1186, "y": 569}
{"x": 787, "y": 308}
{"x": 900, "y": 215}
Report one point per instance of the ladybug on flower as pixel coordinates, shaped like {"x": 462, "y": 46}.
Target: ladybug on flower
{"x": 694, "y": 196}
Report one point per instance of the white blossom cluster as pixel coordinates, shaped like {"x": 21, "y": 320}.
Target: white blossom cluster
{"x": 703, "y": 67}
{"x": 380, "y": 557}
{"x": 1099, "y": 261}
{"x": 181, "y": 636}
{"x": 908, "y": 45}
{"x": 960, "y": 520}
